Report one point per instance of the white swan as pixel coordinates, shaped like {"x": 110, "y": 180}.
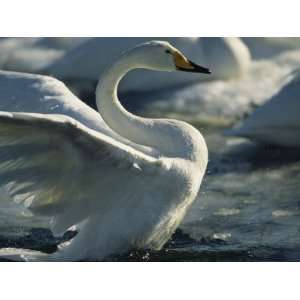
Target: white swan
{"x": 277, "y": 122}
{"x": 33, "y": 54}
{"x": 229, "y": 58}
{"x": 60, "y": 43}
{"x": 266, "y": 47}
{"x": 125, "y": 186}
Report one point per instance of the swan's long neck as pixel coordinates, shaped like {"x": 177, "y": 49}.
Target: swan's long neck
{"x": 166, "y": 136}
{"x": 114, "y": 114}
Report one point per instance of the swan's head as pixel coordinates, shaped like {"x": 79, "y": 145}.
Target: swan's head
{"x": 162, "y": 56}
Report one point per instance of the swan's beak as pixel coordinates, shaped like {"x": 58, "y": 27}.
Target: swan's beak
{"x": 183, "y": 64}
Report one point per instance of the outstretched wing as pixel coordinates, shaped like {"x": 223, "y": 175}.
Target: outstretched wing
{"x": 59, "y": 168}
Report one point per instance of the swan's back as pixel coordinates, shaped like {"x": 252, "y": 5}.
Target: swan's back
{"x": 282, "y": 110}
{"x": 277, "y": 121}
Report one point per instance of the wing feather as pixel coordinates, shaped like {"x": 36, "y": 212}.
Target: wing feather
{"x": 59, "y": 168}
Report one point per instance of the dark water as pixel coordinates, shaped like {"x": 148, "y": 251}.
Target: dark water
{"x": 181, "y": 248}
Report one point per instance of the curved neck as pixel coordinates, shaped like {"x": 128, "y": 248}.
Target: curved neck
{"x": 114, "y": 114}
{"x": 162, "y": 135}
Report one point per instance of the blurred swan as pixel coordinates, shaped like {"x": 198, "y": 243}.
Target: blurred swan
{"x": 128, "y": 184}
{"x": 266, "y": 47}
{"x": 277, "y": 122}
{"x": 229, "y": 58}
{"x": 60, "y": 43}
{"x": 33, "y": 54}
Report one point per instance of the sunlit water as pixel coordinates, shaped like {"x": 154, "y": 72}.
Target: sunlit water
{"x": 248, "y": 208}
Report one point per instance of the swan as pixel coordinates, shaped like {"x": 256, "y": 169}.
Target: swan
{"x": 276, "y": 122}
{"x": 26, "y": 54}
{"x": 33, "y": 54}
{"x": 60, "y": 43}
{"x": 267, "y": 47}
{"x": 229, "y": 58}
{"x": 123, "y": 181}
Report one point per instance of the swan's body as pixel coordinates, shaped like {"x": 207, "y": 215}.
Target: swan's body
{"x": 228, "y": 56}
{"x": 277, "y": 122}
{"x": 126, "y": 185}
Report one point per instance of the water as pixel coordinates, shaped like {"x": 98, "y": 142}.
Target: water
{"x": 249, "y": 205}
{"x": 249, "y": 200}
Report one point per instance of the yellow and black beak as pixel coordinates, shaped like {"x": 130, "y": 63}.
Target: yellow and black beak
{"x": 183, "y": 64}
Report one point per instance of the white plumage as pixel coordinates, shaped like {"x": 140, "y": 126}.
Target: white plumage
{"x": 33, "y": 54}
{"x": 277, "y": 122}
{"x": 128, "y": 184}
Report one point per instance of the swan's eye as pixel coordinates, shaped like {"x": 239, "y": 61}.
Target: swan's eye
{"x": 168, "y": 51}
